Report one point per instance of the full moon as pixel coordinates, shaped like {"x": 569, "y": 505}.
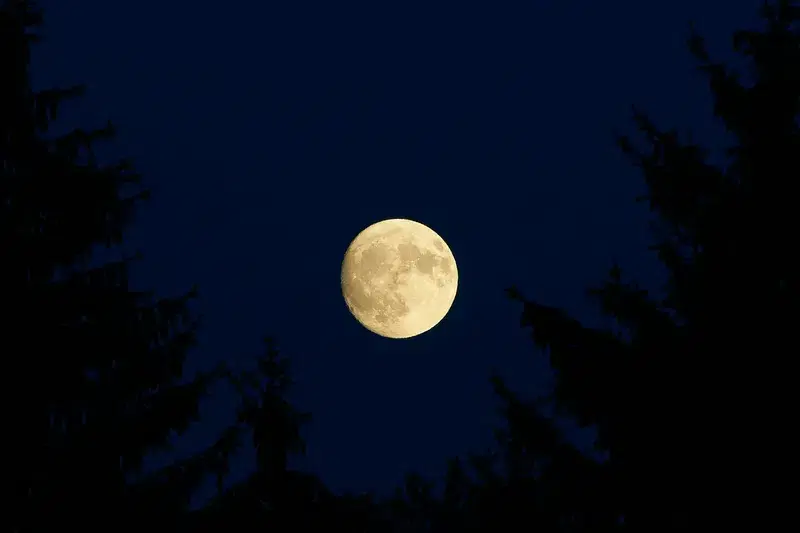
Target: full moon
{"x": 399, "y": 278}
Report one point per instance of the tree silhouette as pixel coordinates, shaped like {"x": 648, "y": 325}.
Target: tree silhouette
{"x": 275, "y": 497}
{"x": 93, "y": 370}
{"x": 677, "y": 390}
{"x": 536, "y": 480}
{"x": 263, "y": 497}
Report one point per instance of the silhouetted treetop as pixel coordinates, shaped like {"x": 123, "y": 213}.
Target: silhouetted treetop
{"x": 669, "y": 387}
{"x": 93, "y": 369}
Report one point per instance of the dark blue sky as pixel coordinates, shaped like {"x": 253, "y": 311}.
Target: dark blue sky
{"x": 271, "y": 135}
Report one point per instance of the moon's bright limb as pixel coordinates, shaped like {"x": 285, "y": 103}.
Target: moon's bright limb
{"x": 399, "y": 278}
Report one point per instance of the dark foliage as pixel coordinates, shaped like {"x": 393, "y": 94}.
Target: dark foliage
{"x": 686, "y": 387}
{"x": 92, "y": 369}
{"x": 275, "y": 497}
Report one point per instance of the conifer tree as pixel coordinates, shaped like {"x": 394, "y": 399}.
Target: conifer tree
{"x": 93, "y": 370}
{"x": 273, "y": 496}
{"x": 681, "y": 391}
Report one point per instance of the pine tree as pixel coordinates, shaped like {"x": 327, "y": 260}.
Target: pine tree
{"x": 682, "y": 391}
{"x": 273, "y": 496}
{"x": 535, "y": 480}
{"x": 92, "y": 369}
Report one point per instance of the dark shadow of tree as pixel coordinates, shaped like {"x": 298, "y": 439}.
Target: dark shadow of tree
{"x": 94, "y": 370}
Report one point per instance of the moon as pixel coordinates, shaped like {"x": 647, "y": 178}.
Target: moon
{"x": 399, "y": 278}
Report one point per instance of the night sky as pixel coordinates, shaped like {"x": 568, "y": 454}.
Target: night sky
{"x": 271, "y": 135}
